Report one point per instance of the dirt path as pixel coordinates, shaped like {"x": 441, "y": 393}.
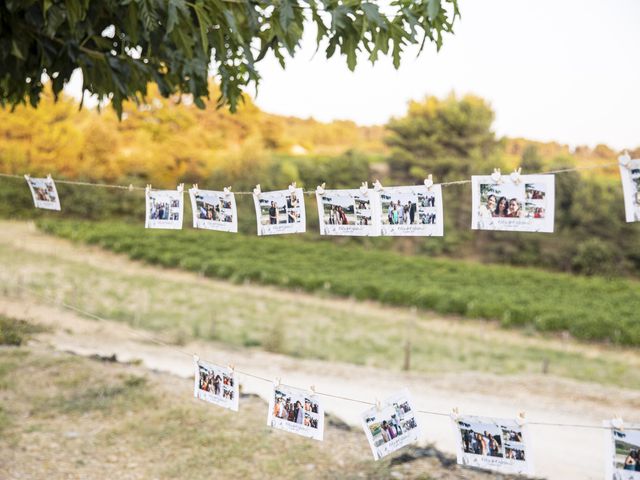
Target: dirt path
{"x": 565, "y": 453}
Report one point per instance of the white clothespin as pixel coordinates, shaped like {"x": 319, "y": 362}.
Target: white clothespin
{"x": 277, "y": 382}
{"x": 27, "y": 177}
{"x": 148, "y": 188}
{"x": 196, "y": 358}
{"x": 496, "y": 176}
{"x": 520, "y": 419}
{"x": 617, "y": 423}
{"x": 455, "y": 414}
{"x": 624, "y": 159}
{"x": 131, "y": 187}
{"x": 377, "y": 186}
{"x": 312, "y": 390}
{"x": 320, "y": 189}
{"x": 195, "y": 188}
{"x": 515, "y": 176}
{"x": 257, "y": 191}
{"x": 181, "y": 188}
{"x": 49, "y": 177}
{"x": 378, "y": 405}
{"x": 232, "y": 367}
{"x": 428, "y": 182}
{"x": 227, "y": 191}
{"x": 292, "y": 187}
{"x": 364, "y": 188}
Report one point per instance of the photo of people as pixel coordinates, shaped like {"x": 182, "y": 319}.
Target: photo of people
{"x": 347, "y": 212}
{"x": 164, "y": 209}
{"x": 44, "y": 193}
{"x": 391, "y": 425}
{"x": 492, "y": 444}
{"x": 525, "y": 206}
{"x": 215, "y": 384}
{"x": 411, "y": 211}
{"x": 214, "y": 210}
{"x": 624, "y": 461}
{"x": 630, "y": 176}
{"x": 280, "y": 211}
{"x": 296, "y": 411}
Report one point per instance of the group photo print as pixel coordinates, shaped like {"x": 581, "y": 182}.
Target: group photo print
{"x": 216, "y": 384}
{"x": 214, "y": 210}
{"x": 391, "y": 424}
{"x": 280, "y": 211}
{"x": 347, "y": 212}
{"x": 44, "y": 193}
{"x": 630, "y": 176}
{"x": 164, "y": 209}
{"x": 525, "y": 205}
{"x": 623, "y": 459}
{"x": 411, "y": 211}
{"x": 296, "y": 411}
{"x": 492, "y": 444}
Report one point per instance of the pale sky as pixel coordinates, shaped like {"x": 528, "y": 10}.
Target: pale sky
{"x": 563, "y": 70}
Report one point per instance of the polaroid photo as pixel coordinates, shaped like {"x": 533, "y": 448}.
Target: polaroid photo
{"x": 501, "y": 445}
{"x": 391, "y": 425}
{"x": 280, "y": 211}
{"x": 164, "y": 209}
{"x": 349, "y": 212}
{"x": 630, "y": 176}
{"x": 215, "y": 384}
{"x": 44, "y": 193}
{"x": 411, "y": 211}
{"x": 214, "y": 210}
{"x": 622, "y": 452}
{"x": 296, "y": 411}
{"x": 527, "y": 205}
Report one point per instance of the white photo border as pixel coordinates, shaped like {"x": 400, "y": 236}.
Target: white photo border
{"x": 293, "y": 427}
{"x": 166, "y": 195}
{"x": 486, "y": 222}
{"x": 231, "y": 404}
{"x": 45, "y": 182}
{"x": 280, "y": 228}
{"x": 419, "y": 229}
{"x": 497, "y": 464}
{"x": 630, "y": 191}
{"x": 611, "y": 471}
{"x": 218, "y": 225}
{"x": 370, "y": 230}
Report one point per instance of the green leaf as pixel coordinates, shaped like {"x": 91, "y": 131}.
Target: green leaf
{"x": 433, "y": 9}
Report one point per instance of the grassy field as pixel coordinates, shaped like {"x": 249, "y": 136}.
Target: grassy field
{"x": 589, "y": 308}
{"x": 180, "y": 306}
{"x": 63, "y": 416}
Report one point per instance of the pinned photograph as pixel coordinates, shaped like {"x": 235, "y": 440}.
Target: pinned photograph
{"x": 623, "y": 452}
{"x": 411, "y": 211}
{"x": 44, "y": 193}
{"x": 525, "y": 205}
{"x": 280, "y": 211}
{"x": 215, "y": 384}
{"x": 630, "y": 175}
{"x": 214, "y": 210}
{"x": 391, "y": 425}
{"x": 296, "y": 411}
{"x": 493, "y": 444}
{"x": 165, "y": 209}
{"x": 348, "y": 212}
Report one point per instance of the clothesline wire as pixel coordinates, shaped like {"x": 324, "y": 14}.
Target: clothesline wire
{"x": 155, "y": 340}
{"x": 131, "y": 187}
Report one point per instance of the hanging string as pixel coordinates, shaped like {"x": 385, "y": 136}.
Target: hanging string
{"x": 153, "y": 339}
{"x": 312, "y": 192}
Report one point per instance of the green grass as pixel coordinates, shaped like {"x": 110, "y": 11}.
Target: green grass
{"x": 16, "y": 332}
{"x": 589, "y": 308}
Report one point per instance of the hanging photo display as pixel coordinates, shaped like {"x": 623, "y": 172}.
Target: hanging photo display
{"x": 411, "y": 211}
{"x": 280, "y": 211}
{"x": 44, "y": 193}
{"x": 215, "y": 384}
{"x": 214, "y": 210}
{"x": 351, "y": 212}
{"x": 296, "y": 411}
{"x": 622, "y": 451}
{"x": 164, "y": 208}
{"x": 493, "y": 444}
{"x": 524, "y": 205}
{"x": 391, "y": 424}
{"x": 630, "y": 175}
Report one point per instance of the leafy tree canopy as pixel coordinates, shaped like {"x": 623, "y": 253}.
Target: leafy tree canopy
{"x": 123, "y": 45}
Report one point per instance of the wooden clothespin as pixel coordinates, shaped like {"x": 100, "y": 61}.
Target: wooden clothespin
{"x": 520, "y": 419}
{"x": 320, "y": 189}
{"x": 292, "y": 187}
{"x": 256, "y": 190}
{"x": 428, "y": 182}
{"x": 364, "y": 188}
{"x": 227, "y": 191}
{"x": 377, "y": 186}
{"x": 180, "y": 188}
{"x": 515, "y": 176}
{"x": 496, "y": 176}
